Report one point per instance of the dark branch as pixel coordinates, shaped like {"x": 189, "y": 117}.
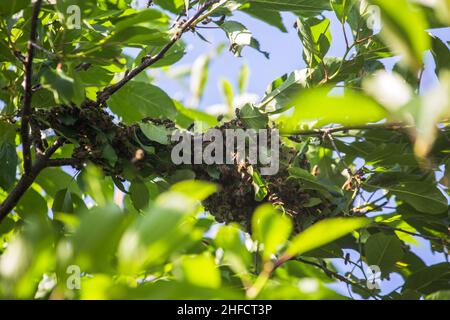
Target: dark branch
{"x": 327, "y": 131}
{"x": 27, "y": 180}
{"x": 147, "y": 61}
{"x": 27, "y": 110}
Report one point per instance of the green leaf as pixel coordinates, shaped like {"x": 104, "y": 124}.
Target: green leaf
{"x": 404, "y": 26}
{"x": 199, "y": 270}
{"x": 342, "y": 8}
{"x": 174, "y": 6}
{"x": 155, "y": 132}
{"x": 244, "y": 74}
{"x": 66, "y": 90}
{"x": 198, "y": 190}
{"x": 138, "y": 100}
{"x": 199, "y": 76}
{"x": 260, "y": 12}
{"x": 270, "y": 228}
{"x": 300, "y": 7}
{"x": 101, "y": 189}
{"x": 323, "y": 232}
{"x": 259, "y": 185}
{"x": 440, "y": 53}
{"x": 9, "y": 161}
{"x": 423, "y": 196}
{"x": 97, "y": 237}
{"x": 139, "y": 195}
{"x": 253, "y": 118}
{"x": 8, "y": 8}
{"x": 63, "y": 201}
{"x": 280, "y": 93}
{"x": 166, "y": 227}
{"x": 316, "y": 108}
{"x": 429, "y": 279}
{"x": 227, "y": 91}
{"x": 439, "y": 295}
{"x": 32, "y": 205}
{"x": 316, "y": 39}
{"x": 308, "y": 181}
{"x": 240, "y": 37}
{"x": 235, "y": 253}
{"x": 383, "y": 251}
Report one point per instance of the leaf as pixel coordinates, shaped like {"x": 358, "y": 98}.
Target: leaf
{"x": 308, "y": 181}
{"x": 235, "y": 253}
{"x": 97, "y": 236}
{"x": 155, "y": 132}
{"x": 198, "y": 190}
{"x": 280, "y": 93}
{"x": 270, "y": 228}
{"x": 66, "y": 89}
{"x": 323, "y": 232}
{"x": 429, "y": 279}
{"x": 174, "y": 6}
{"x": 253, "y": 118}
{"x": 383, "y": 251}
{"x": 440, "y": 52}
{"x": 259, "y": 185}
{"x": 138, "y": 100}
{"x": 342, "y": 8}
{"x": 316, "y": 108}
{"x": 100, "y": 188}
{"x": 199, "y": 270}
{"x": 8, "y": 159}
{"x": 240, "y": 37}
{"x": 405, "y": 32}
{"x": 300, "y": 7}
{"x": 423, "y": 196}
{"x": 227, "y": 91}
{"x": 244, "y": 74}
{"x": 166, "y": 227}
{"x": 63, "y": 201}
{"x": 139, "y": 195}
{"x": 8, "y": 8}
{"x": 31, "y": 205}
{"x": 316, "y": 39}
{"x": 260, "y": 12}
{"x": 199, "y": 76}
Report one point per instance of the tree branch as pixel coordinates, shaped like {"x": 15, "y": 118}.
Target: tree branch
{"x": 27, "y": 110}
{"x": 147, "y": 61}
{"x": 27, "y": 180}
{"x": 338, "y": 276}
{"x": 326, "y": 131}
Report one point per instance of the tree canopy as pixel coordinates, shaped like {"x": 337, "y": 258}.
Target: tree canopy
{"x": 93, "y": 207}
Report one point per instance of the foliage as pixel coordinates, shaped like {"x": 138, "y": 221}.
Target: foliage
{"x": 88, "y": 191}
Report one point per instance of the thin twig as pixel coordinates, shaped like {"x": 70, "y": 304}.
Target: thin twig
{"x": 147, "y": 61}
{"x": 322, "y": 131}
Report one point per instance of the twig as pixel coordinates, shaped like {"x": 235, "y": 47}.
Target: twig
{"x": 440, "y": 240}
{"x": 27, "y": 110}
{"x": 323, "y": 131}
{"x": 338, "y": 277}
{"x": 147, "y": 61}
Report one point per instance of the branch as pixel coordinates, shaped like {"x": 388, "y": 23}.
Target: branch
{"x": 431, "y": 238}
{"x": 338, "y": 276}
{"x": 326, "y": 131}
{"x": 147, "y": 61}
{"x": 63, "y": 162}
{"x": 27, "y": 110}
{"x": 27, "y": 180}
